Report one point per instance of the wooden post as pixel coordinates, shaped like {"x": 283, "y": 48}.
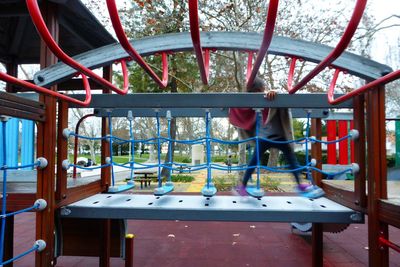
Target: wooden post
{"x": 46, "y": 147}
{"x": 105, "y": 181}
{"x": 12, "y": 69}
{"x": 129, "y": 246}
{"x": 317, "y": 245}
{"x": 377, "y": 187}
{"x": 359, "y": 151}
{"x": 62, "y": 151}
{"x": 316, "y": 150}
{"x": 105, "y": 149}
{"x": 9, "y": 240}
{"x": 104, "y": 252}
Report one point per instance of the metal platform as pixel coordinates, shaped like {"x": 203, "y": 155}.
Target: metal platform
{"x": 218, "y": 208}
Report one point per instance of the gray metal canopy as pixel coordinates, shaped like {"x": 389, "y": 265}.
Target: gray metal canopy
{"x": 178, "y": 42}
{"x": 195, "y": 112}
{"x": 80, "y": 31}
{"x": 217, "y": 208}
{"x": 209, "y": 100}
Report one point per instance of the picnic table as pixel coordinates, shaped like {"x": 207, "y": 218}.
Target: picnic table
{"x": 182, "y": 167}
{"x": 144, "y": 177}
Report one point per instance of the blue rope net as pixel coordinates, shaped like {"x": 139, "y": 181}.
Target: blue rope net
{"x": 207, "y": 140}
{"x": 37, "y": 206}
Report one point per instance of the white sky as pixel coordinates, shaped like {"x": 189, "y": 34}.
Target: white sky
{"x": 383, "y": 9}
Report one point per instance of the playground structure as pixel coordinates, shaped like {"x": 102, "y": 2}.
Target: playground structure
{"x": 66, "y": 206}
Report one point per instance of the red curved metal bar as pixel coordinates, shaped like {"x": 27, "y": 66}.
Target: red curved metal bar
{"x": 119, "y": 31}
{"x": 331, "y": 90}
{"x": 76, "y": 141}
{"x": 383, "y": 80}
{"x": 339, "y": 49}
{"x": 10, "y": 79}
{"x": 40, "y": 25}
{"x": 291, "y": 72}
{"x": 249, "y": 65}
{"x": 202, "y": 60}
{"x": 391, "y": 245}
{"x": 267, "y": 38}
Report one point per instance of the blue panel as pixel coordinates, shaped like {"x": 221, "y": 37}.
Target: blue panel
{"x": 12, "y": 142}
{"x": 27, "y": 152}
{"x": 209, "y": 191}
{"x": 168, "y": 187}
{"x": 120, "y": 188}
{"x": 397, "y": 123}
{"x": 254, "y": 191}
{"x": 1, "y": 143}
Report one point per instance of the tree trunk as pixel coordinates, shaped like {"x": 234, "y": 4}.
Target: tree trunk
{"x": 273, "y": 157}
{"x": 92, "y": 145}
{"x": 242, "y": 151}
{"x": 174, "y": 89}
{"x": 165, "y": 172}
{"x": 152, "y": 155}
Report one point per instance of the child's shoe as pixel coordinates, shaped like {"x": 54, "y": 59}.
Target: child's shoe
{"x": 240, "y": 190}
{"x": 310, "y": 191}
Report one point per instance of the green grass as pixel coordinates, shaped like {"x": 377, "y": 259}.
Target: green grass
{"x": 179, "y": 178}
{"x": 226, "y": 182}
{"x": 145, "y": 157}
{"x": 117, "y": 159}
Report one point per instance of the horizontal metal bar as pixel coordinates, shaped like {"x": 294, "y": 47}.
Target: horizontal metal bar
{"x": 244, "y": 41}
{"x": 195, "y": 112}
{"x": 218, "y": 208}
{"x": 211, "y": 100}
{"x": 340, "y": 116}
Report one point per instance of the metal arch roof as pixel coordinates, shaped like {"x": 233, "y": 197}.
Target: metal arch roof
{"x": 80, "y": 31}
{"x": 178, "y": 42}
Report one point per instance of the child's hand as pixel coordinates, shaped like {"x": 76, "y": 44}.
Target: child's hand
{"x": 270, "y": 95}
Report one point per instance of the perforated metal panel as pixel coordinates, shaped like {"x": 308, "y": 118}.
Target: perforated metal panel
{"x": 218, "y": 208}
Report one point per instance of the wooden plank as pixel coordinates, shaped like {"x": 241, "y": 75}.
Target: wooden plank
{"x": 389, "y": 212}
{"x": 341, "y": 196}
{"x": 20, "y": 100}
{"x": 80, "y": 237}
{"x": 19, "y": 107}
{"x": 19, "y": 201}
{"x": 16, "y": 113}
{"x": 22, "y": 107}
{"x": 20, "y": 176}
{"x": 80, "y": 192}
